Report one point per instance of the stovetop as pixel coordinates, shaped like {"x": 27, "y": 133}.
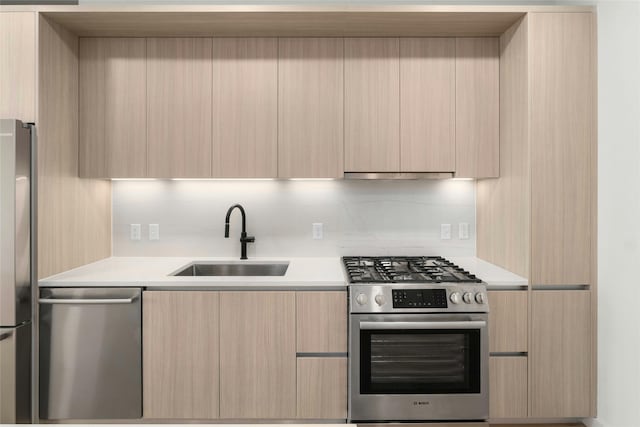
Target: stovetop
{"x": 392, "y": 269}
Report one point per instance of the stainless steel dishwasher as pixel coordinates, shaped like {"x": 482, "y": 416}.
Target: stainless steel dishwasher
{"x": 90, "y": 353}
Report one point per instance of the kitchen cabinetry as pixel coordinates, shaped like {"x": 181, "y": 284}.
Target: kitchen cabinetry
{"x": 560, "y": 356}
{"x": 508, "y": 321}
{"x": 372, "y": 105}
{"x": 112, "y": 101}
{"x": 427, "y": 104}
{"x": 257, "y": 355}
{"x": 180, "y": 355}
{"x": 179, "y": 83}
{"x": 321, "y": 322}
{"x": 310, "y": 108}
{"x": 18, "y": 66}
{"x": 477, "y": 107}
{"x": 322, "y": 388}
{"x": 245, "y": 108}
{"x": 508, "y": 387}
{"x": 563, "y": 152}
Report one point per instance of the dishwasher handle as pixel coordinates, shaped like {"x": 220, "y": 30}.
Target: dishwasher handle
{"x": 88, "y": 301}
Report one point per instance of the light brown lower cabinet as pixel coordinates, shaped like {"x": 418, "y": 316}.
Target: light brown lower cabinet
{"x": 257, "y": 355}
{"x": 508, "y": 387}
{"x": 322, "y": 387}
{"x": 560, "y": 355}
{"x": 180, "y": 355}
{"x": 508, "y": 321}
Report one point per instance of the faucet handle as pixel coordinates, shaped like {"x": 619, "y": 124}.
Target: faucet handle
{"x": 248, "y": 239}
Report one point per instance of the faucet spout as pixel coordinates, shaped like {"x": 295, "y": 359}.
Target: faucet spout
{"x": 244, "y": 239}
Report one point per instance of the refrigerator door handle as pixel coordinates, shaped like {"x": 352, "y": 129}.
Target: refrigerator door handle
{"x": 5, "y": 336}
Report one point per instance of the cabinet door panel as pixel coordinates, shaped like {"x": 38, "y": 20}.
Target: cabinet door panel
{"x": 477, "y": 107}
{"x": 560, "y": 356}
{"x": 427, "y": 104}
{"x": 508, "y": 387}
{"x": 257, "y": 355}
{"x": 562, "y": 143}
{"x": 112, "y": 108}
{"x": 322, "y": 387}
{"x": 372, "y": 105}
{"x": 18, "y": 65}
{"x": 321, "y": 322}
{"x": 508, "y": 321}
{"x": 245, "y": 108}
{"x": 310, "y": 108}
{"x": 179, "y": 81}
{"x": 180, "y": 354}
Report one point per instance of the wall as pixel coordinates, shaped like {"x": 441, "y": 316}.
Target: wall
{"x": 359, "y": 217}
{"x": 618, "y": 214}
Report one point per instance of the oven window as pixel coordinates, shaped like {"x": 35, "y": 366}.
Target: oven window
{"x": 419, "y": 361}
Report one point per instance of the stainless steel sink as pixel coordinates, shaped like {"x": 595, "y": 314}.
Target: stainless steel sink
{"x": 233, "y": 269}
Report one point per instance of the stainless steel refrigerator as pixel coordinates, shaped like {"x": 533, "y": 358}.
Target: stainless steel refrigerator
{"x": 15, "y": 271}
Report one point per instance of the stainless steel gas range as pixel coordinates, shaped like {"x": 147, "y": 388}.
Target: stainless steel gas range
{"x": 418, "y": 341}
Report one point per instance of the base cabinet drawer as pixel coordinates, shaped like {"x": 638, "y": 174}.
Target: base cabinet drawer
{"x": 508, "y": 387}
{"x": 322, "y": 388}
{"x": 508, "y": 321}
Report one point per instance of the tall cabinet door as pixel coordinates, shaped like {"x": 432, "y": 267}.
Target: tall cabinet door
{"x": 560, "y": 354}
{"x": 180, "y": 357}
{"x": 371, "y": 105}
{"x": 562, "y": 84}
{"x": 310, "y": 108}
{"x": 477, "y": 107}
{"x": 179, "y": 81}
{"x": 427, "y": 104}
{"x": 18, "y": 65}
{"x": 258, "y": 355}
{"x": 245, "y": 108}
{"x": 112, "y": 108}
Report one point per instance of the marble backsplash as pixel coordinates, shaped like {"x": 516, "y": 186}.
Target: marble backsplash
{"x": 358, "y": 217}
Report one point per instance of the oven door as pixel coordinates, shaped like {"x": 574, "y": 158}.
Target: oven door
{"x": 406, "y": 367}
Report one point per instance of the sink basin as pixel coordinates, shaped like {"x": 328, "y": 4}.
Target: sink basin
{"x": 233, "y": 269}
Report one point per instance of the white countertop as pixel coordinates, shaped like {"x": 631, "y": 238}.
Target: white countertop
{"x": 303, "y": 273}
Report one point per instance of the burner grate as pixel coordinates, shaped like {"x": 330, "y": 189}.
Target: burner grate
{"x": 426, "y": 269}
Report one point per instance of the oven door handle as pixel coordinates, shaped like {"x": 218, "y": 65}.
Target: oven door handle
{"x": 469, "y": 324}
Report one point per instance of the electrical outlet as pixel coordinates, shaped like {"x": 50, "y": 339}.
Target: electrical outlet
{"x": 463, "y": 231}
{"x": 135, "y": 232}
{"x": 317, "y": 230}
{"x": 154, "y": 231}
{"x": 445, "y": 231}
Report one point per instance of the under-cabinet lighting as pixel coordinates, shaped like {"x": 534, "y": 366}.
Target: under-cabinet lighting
{"x": 461, "y": 179}
{"x": 312, "y": 179}
{"x": 134, "y": 179}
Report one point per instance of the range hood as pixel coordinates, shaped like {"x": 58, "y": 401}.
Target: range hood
{"x": 398, "y": 175}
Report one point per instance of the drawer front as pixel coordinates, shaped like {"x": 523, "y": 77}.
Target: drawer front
{"x": 321, "y": 322}
{"x": 508, "y": 321}
{"x": 322, "y": 387}
{"x": 508, "y": 387}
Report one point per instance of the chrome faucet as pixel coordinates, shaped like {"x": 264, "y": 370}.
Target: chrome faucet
{"x": 244, "y": 239}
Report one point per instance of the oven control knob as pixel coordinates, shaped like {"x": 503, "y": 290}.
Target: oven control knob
{"x": 455, "y": 297}
{"x": 481, "y": 298}
{"x": 467, "y": 297}
{"x": 362, "y": 299}
{"x": 379, "y": 299}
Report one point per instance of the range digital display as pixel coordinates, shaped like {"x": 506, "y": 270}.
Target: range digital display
{"x": 419, "y": 298}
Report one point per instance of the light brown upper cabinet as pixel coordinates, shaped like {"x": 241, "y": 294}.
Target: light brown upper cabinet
{"x": 310, "y": 107}
{"x": 179, "y": 83}
{"x": 112, "y": 101}
{"x": 18, "y": 65}
{"x": 245, "y": 108}
{"x": 371, "y": 105}
{"x": 477, "y": 107}
{"x": 563, "y": 152}
{"x": 560, "y": 356}
{"x": 427, "y": 104}
{"x": 258, "y": 355}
